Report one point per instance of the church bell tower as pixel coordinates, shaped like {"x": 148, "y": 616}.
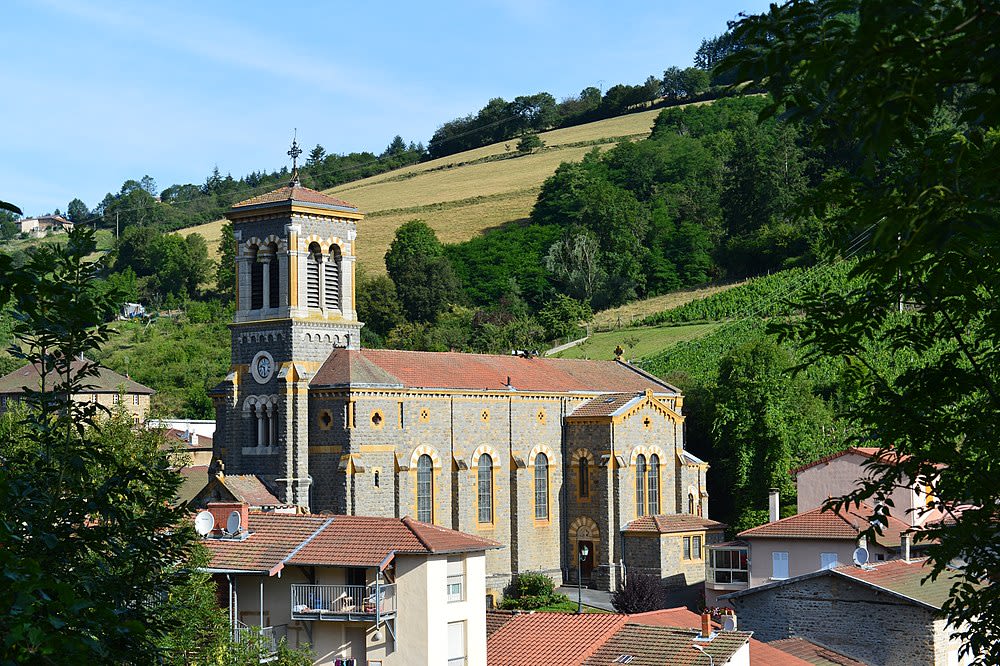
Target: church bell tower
{"x": 295, "y": 303}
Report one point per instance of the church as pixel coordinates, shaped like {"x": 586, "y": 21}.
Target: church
{"x": 554, "y": 458}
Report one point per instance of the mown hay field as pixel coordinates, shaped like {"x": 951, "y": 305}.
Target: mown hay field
{"x": 463, "y": 195}
{"x": 637, "y": 342}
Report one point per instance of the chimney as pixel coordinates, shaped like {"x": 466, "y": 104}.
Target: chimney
{"x": 706, "y": 624}
{"x": 904, "y": 542}
{"x": 773, "y": 505}
{"x": 222, "y": 510}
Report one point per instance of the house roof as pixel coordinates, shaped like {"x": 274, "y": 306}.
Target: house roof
{"x": 820, "y": 524}
{"x": 193, "y": 480}
{"x": 810, "y": 653}
{"x": 251, "y": 489}
{"x": 656, "y": 646}
{"x": 866, "y": 451}
{"x": 760, "y": 653}
{"x": 184, "y": 438}
{"x": 453, "y": 370}
{"x": 106, "y": 380}
{"x": 550, "y": 639}
{"x": 496, "y": 618}
{"x": 295, "y": 193}
{"x": 672, "y": 522}
{"x": 275, "y": 540}
{"x": 898, "y": 578}
{"x": 609, "y": 404}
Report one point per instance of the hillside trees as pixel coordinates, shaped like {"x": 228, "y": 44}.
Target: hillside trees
{"x": 166, "y": 264}
{"x": 922, "y": 119}
{"x": 424, "y": 278}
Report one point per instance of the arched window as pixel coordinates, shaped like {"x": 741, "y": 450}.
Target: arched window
{"x": 691, "y": 503}
{"x": 541, "y": 487}
{"x": 331, "y": 276}
{"x": 312, "y": 275}
{"x": 653, "y": 490}
{"x": 273, "y": 277}
{"x": 485, "y": 488}
{"x": 583, "y": 478}
{"x": 256, "y": 279}
{"x": 425, "y": 489}
{"x": 640, "y": 485}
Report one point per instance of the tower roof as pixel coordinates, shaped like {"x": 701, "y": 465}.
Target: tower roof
{"x": 291, "y": 194}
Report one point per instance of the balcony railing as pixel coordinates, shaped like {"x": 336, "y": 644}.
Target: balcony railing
{"x": 265, "y": 640}
{"x": 343, "y": 602}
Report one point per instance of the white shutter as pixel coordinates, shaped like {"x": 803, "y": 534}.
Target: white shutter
{"x": 456, "y": 640}
{"x": 779, "y": 564}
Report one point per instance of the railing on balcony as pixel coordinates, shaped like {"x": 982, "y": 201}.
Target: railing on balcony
{"x": 343, "y": 602}
{"x": 727, "y": 568}
{"x": 264, "y": 640}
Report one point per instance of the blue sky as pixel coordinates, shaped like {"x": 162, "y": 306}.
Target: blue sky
{"x": 99, "y": 92}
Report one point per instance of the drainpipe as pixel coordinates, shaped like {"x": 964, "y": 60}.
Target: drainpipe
{"x": 262, "y": 603}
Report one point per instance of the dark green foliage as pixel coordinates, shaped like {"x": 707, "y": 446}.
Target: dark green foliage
{"x": 683, "y": 83}
{"x": 530, "y": 591}
{"x": 424, "y": 278}
{"x": 922, "y": 121}
{"x": 563, "y": 316}
{"x": 641, "y": 593}
{"x": 529, "y": 143}
{"x": 8, "y": 224}
{"x": 166, "y": 264}
{"x": 225, "y": 273}
{"x": 77, "y": 212}
{"x": 379, "y": 306}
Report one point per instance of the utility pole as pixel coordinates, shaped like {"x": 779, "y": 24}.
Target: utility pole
{"x": 116, "y": 225}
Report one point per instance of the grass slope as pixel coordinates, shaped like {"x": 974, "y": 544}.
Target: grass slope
{"x": 464, "y": 194}
{"x": 637, "y": 342}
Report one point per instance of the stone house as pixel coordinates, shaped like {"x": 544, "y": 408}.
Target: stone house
{"x": 358, "y": 590}
{"x": 885, "y": 614}
{"x": 107, "y": 389}
{"x": 543, "y": 455}
{"x": 40, "y": 226}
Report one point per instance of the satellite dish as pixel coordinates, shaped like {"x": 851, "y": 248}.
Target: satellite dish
{"x": 234, "y": 523}
{"x": 204, "y": 523}
{"x": 860, "y": 556}
{"x": 729, "y": 623}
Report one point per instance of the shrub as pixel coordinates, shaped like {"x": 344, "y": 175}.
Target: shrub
{"x": 531, "y": 591}
{"x": 641, "y": 593}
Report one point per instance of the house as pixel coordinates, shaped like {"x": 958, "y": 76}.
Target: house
{"x": 674, "y": 545}
{"x": 562, "y": 639}
{"x": 884, "y": 614}
{"x": 550, "y": 457}
{"x": 810, "y": 652}
{"x": 107, "y": 389}
{"x": 39, "y": 226}
{"x": 240, "y": 488}
{"x": 358, "y": 590}
{"x": 195, "y": 449}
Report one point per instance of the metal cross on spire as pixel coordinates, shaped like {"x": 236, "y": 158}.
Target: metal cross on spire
{"x": 294, "y": 153}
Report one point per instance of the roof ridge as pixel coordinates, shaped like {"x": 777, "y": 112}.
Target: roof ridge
{"x": 295, "y": 551}
{"x": 406, "y": 520}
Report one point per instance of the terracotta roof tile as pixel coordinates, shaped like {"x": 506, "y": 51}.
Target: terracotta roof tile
{"x": 810, "y": 653}
{"x": 496, "y": 618}
{"x": 251, "y": 489}
{"x": 550, "y": 639}
{"x": 453, "y": 370}
{"x": 820, "y": 524}
{"x": 672, "y": 522}
{"x": 904, "y": 578}
{"x": 657, "y": 645}
{"x": 605, "y": 405}
{"x": 761, "y": 654}
{"x": 106, "y": 380}
{"x": 295, "y": 193}
{"x": 272, "y": 538}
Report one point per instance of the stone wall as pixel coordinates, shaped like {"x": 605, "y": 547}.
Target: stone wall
{"x": 858, "y": 621}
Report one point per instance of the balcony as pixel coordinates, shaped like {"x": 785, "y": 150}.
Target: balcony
{"x": 343, "y": 603}
{"x": 263, "y": 640}
{"x": 727, "y": 567}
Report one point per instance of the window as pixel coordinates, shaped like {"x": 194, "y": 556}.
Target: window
{"x": 273, "y": 277}
{"x": 456, "y": 643}
{"x": 827, "y": 560}
{"x": 779, "y": 564}
{"x": 541, "y": 487}
{"x": 312, "y": 275}
{"x": 355, "y": 576}
{"x": 116, "y": 398}
{"x": 691, "y": 503}
{"x": 730, "y": 565}
{"x": 583, "y": 480}
{"x": 696, "y": 547}
{"x": 135, "y": 399}
{"x": 640, "y": 485}
{"x": 425, "y": 489}
{"x": 376, "y": 475}
{"x": 485, "y": 488}
{"x": 332, "y": 278}
{"x": 456, "y": 579}
{"x": 687, "y": 548}
{"x": 256, "y": 279}
{"x": 654, "y": 485}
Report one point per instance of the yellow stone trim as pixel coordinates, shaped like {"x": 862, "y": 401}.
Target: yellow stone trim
{"x": 425, "y": 449}
{"x": 377, "y": 448}
{"x": 484, "y": 448}
{"x": 584, "y": 522}
{"x": 591, "y": 465}
{"x": 474, "y": 473}
{"x": 334, "y": 448}
{"x": 550, "y": 460}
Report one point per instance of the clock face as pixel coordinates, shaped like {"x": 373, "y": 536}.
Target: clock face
{"x": 262, "y": 367}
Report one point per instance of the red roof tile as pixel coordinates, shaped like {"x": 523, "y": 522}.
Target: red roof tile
{"x": 295, "y": 193}
{"x": 672, "y": 522}
{"x": 272, "y": 538}
{"x": 453, "y": 370}
{"x": 657, "y": 646}
{"x": 550, "y": 639}
{"x": 809, "y": 653}
{"x": 605, "y": 405}
{"x": 251, "y": 489}
{"x": 496, "y": 618}
{"x": 820, "y": 524}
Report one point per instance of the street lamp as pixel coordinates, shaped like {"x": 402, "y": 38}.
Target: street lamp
{"x": 584, "y": 551}
{"x": 711, "y": 661}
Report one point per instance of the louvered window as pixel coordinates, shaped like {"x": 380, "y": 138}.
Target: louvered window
{"x": 312, "y": 276}
{"x": 332, "y": 279}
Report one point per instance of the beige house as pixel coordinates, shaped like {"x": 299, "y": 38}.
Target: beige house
{"x": 39, "y": 226}
{"x": 107, "y": 389}
{"x": 360, "y": 591}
